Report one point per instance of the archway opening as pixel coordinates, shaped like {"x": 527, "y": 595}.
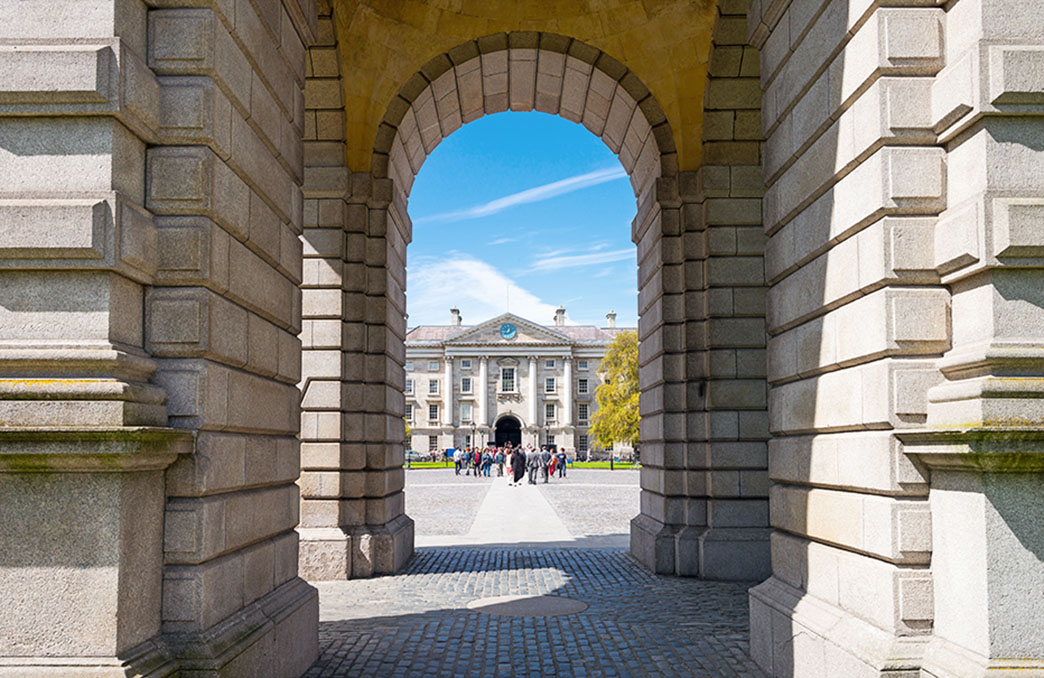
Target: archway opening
{"x": 508, "y": 431}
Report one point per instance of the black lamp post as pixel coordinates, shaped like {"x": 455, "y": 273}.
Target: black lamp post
{"x": 473, "y": 434}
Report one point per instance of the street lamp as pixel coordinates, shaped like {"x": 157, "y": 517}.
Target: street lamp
{"x": 472, "y": 434}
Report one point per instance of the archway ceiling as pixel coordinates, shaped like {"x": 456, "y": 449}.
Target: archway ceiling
{"x": 383, "y": 43}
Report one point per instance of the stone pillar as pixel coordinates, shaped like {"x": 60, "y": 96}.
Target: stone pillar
{"x": 983, "y": 436}
{"x": 567, "y": 392}
{"x": 857, "y": 321}
{"x": 704, "y": 479}
{"x": 534, "y": 391}
{"x": 482, "y": 393}
{"x": 447, "y": 397}
{"x": 352, "y": 510}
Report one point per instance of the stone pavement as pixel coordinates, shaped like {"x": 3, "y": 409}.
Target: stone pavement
{"x": 417, "y": 623}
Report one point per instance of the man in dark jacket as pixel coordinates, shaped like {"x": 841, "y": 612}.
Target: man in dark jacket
{"x": 545, "y": 463}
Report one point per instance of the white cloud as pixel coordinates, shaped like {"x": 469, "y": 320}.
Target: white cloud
{"x": 480, "y": 291}
{"x": 503, "y": 241}
{"x": 558, "y": 260}
{"x": 545, "y": 192}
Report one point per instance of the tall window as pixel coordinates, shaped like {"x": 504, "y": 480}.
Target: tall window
{"x": 581, "y": 386}
{"x": 467, "y": 440}
{"x": 465, "y": 364}
{"x": 433, "y": 386}
{"x": 581, "y": 443}
{"x": 433, "y": 412}
{"x": 465, "y": 385}
{"x": 581, "y": 412}
{"x": 433, "y": 443}
{"x": 409, "y": 412}
{"x": 550, "y": 438}
{"x": 465, "y": 411}
{"x": 549, "y": 385}
{"x": 409, "y": 386}
{"x": 549, "y": 411}
{"x": 507, "y": 379}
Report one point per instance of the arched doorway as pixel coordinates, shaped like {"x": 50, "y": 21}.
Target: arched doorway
{"x": 508, "y": 430}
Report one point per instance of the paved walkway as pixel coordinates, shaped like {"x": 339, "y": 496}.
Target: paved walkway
{"x": 634, "y": 624}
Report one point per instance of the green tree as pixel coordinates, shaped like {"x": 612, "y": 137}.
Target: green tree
{"x": 616, "y": 419}
{"x": 407, "y": 422}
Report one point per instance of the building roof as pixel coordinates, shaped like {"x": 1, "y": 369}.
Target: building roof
{"x": 435, "y": 334}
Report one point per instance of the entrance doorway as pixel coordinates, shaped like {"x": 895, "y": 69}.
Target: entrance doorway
{"x": 509, "y": 430}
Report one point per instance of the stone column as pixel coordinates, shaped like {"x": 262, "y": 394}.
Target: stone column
{"x": 983, "y": 437}
{"x": 567, "y": 393}
{"x": 534, "y": 391}
{"x": 447, "y": 396}
{"x": 482, "y": 393}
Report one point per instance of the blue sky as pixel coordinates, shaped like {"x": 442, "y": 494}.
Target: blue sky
{"x": 526, "y": 210}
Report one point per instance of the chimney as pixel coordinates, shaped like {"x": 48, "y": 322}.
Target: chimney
{"x": 610, "y": 318}
{"x": 560, "y": 316}
{"x": 455, "y": 316}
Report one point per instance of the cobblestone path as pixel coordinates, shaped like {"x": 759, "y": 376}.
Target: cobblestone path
{"x": 637, "y": 623}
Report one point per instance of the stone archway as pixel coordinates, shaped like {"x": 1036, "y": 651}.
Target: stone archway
{"x": 703, "y": 418}
{"x": 508, "y": 429}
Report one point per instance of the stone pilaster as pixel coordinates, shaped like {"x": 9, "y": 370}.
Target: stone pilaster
{"x": 447, "y": 395}
{"x": 482, "y": 393}
{"x": 534, "y": 390}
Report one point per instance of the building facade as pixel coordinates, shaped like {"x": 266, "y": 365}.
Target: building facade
{"x": 507, "y": 379}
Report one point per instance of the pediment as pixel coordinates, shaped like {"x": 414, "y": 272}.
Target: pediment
{"x": 526, "y": 332}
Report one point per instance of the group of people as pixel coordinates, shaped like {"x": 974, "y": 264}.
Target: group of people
{"x": 515, "y": 461}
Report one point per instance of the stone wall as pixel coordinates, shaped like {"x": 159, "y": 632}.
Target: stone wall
{"x": 151, "y": 204}
{"x": 889, "y": 148}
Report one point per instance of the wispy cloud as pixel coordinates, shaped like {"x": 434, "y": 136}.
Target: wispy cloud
{"x": 545, "y": 192}
{"x": 558, "y": 261}
{"x": 502, "y": 241}
{"x": 480, "y": 291}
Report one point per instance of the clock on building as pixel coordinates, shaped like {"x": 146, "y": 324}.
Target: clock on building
{"x": 508, "y": 331}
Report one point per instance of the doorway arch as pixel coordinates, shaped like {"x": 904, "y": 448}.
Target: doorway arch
{"x": 508, "y": 429}
{"x": 697, "y": 417}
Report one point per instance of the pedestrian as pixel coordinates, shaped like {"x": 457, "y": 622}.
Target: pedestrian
{"x": 476, "y": 461}
{"x": 518, "y": 466}
{"x": 551, "y": 466}
{"x": 456, "y": 462}
{"x": 498, "y": 459}
{"x": 545, "y": 463}
{"x": 532, "y": 464}
{"x": 561, "y": 465}
{"x": 487, "y": 462}
{"x": 465, "y": 461}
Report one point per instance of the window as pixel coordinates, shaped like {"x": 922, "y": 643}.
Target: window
{"x": 409, "y": 365}
{"x": 581, "y": 364}
{"x": 433, "y": 386}
{"x": 581, "y": 386}
{"x": 409, "y": 386}
{"x": 467, "y": 440}
{"x": 465, "y": 385}
{"x": 581, "y": 443}
{"x": 507, "y": 379}
{"x": 433, "y": 443}
{"x": 549, "y": 385}
{"x": 465, "y": 364}
{"x": 409, "y": 412}
{"x": 550, "y": 438}
{"x": 465, "y": 411}
{"x": 433, "y": 412}
{"x": 549, "y": 364}
{"x": 581, "y": 412}
{"x": 549, "y": 411}
{"x": 433, "y": 365}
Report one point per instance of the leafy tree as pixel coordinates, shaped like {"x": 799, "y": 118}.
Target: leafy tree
{"x": 616, "y": 419}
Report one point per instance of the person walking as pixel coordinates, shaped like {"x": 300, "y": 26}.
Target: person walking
{"x": 545, "y": 463}
{"x": 487, "y": 462}
{"x": 476, "y": 461}
{"x": 518, "y": 466}
{"x": 498, "y": 459}
{"x": 532, "y": 464}
{"x": 561, "y": 463}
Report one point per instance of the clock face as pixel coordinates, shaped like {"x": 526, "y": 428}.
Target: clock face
{"x": 508, "y": 331}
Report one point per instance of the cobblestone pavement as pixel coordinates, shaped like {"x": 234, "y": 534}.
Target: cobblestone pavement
{"x": 595, "y": 502}
{"x": 637, "y": 623}
{"x": 442, "y": 503}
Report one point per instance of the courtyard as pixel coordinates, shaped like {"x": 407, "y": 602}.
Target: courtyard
{"x": 479, "y": 539}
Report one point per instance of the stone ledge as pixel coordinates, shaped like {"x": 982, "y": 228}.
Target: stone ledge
{"x": 147, "y": 660}
{"x": 85, "y": 449}
{"x": 994, "y": 450}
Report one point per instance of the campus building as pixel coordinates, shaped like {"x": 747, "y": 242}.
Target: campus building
{"x": 507, "y": 379}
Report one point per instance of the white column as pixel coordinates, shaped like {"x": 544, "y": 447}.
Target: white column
{"x": 533, "y": 391}
{"x": 482, "y": 393}
{"x": 567, "y": 392}
{"x": 447, "y": 410}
